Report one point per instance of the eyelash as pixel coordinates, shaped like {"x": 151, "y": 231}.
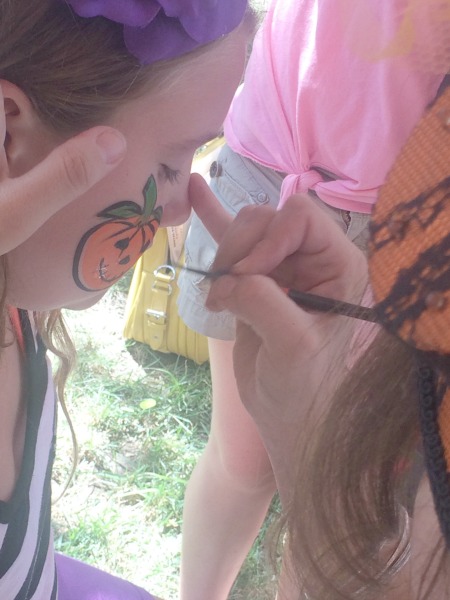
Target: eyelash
{"x": 169, "y": 174}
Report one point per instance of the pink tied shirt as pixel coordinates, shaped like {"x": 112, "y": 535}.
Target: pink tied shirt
{"x": 315, "y": 98}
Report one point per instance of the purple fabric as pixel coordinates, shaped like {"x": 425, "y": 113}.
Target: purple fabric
{"x": 79, "y": 581}
{"x": 161, "y": 29}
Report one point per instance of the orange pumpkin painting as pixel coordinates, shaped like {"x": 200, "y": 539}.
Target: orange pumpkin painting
{"x": 111, "y": 248}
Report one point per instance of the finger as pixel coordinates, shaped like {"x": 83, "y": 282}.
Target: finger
{"x": 209, "y": 210}
{"x": 304, "y": 249}
{"x": 300, "y": 226}
{"x": 246, "y": 231}
{"x": 236, "y": 237}
{"x": 260, "y": 303}
{"x": 69, "y": 171}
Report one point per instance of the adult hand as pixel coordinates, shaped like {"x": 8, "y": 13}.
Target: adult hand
{"x": 75, "y": 166}
{"x": 283, "y": 354}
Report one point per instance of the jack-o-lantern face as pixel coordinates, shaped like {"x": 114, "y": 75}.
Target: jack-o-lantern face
{"x": 110, "y": 249}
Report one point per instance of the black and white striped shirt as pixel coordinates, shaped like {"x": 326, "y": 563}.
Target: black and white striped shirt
{"x": 27, "y": 566}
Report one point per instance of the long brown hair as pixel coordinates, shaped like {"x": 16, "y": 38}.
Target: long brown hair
{"x": 357, "y": 479}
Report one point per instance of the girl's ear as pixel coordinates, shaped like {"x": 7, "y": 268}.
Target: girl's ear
{"x": 25, "y": 140}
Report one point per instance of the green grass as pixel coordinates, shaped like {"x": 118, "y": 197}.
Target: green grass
{"x": 141, "y": 420}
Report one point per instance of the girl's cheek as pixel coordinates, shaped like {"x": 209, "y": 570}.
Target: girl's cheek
{"x": 108, "y": 250}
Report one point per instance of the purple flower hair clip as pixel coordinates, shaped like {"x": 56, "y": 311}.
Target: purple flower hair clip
{"x": 161, "y": 29}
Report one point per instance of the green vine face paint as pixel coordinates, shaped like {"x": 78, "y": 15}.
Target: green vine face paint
{"x": 111, "y": 248}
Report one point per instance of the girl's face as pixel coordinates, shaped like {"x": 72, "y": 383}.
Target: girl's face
{"x": 87, "y": 246}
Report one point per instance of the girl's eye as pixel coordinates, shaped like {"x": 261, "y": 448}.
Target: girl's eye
{"x": 169, "y": 174}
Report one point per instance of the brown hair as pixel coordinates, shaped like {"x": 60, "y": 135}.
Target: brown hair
{"x": 76, "y": 71}
{"x": 357, "y": 480}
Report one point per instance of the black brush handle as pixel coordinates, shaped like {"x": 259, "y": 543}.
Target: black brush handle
{"x": 323, "y": 304}
{"x": 310, "y": 301}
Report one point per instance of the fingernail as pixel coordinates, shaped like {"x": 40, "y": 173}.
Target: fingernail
{"x": 112, "y": 145}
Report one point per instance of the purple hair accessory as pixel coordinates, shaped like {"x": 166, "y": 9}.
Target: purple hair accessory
{"x": 161, "y": 29}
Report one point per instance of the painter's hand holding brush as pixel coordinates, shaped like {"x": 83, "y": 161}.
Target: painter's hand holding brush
{"x": 282, "y": 352}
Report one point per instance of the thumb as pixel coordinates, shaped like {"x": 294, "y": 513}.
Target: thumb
{"x": 65, "y": 174}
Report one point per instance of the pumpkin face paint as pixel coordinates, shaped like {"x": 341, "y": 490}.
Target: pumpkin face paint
{"x": 110, "y": 249}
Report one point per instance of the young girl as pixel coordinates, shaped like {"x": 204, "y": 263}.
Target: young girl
{"x": 163, "y": 73}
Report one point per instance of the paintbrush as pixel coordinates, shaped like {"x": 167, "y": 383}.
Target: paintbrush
{"x": 307, "y": 300}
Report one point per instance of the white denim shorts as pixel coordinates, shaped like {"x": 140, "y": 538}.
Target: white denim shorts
{"x": 239, "y": 182}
